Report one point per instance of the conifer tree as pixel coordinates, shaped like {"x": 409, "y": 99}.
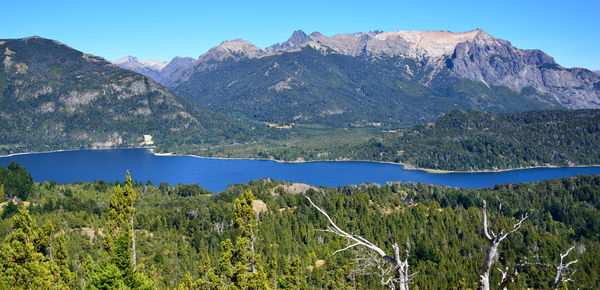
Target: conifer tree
{"x": 26, "y": 259}
{"x": 239, "y": 265}
{"x": 61, "y": 258}
{"x": 119, "y": 270}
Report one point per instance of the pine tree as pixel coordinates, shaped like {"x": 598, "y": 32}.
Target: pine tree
{"x": 26, "y": 259}
{"x": 17, "y": 181}
{"x": 61, "y": 258}
{"x": 119, "y": 270}
{"x": 292, "y": 278}
{"x": 239, "y": 266}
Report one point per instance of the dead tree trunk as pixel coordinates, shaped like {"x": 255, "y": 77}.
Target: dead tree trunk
{"x": 401, "y": 267}
{"x": 564, "y": 271}
{"x": 133, "y": 251}
{"x": 399, "y": 280}
{"x": 492, "y": 254}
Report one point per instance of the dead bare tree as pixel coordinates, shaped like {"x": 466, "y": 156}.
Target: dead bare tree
{"x": 509, "y": 274}
{"x": 564, "y": 271}
{"x": 394, "y": 276}
{"x": 492, "y": 254}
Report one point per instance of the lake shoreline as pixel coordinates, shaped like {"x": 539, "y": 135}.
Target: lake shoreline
{"x": 403, "y": 165}
{"x": 68, "y": 150}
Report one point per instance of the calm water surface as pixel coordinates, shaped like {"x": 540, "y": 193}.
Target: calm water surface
{"x": 216, "y": 174}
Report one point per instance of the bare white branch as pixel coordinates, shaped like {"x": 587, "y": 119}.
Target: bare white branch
{"x": 392, "y": 271}
{"x": 346, "y": 248}
{"x": 516, "y": 226}
{"x": 338, "y": 231}
{"x": 564, "y": 271}
{"x": 492, "y": 254}
{"x": 485, "y": 222}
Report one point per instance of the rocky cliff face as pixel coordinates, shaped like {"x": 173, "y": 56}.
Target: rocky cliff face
{"x": 177, "y": 70}
{"x": 474, "y": 55}
{"x": 497, "y": 62}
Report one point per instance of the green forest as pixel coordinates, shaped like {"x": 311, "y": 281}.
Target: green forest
{"x": 139, "y": 235}
{"x": 471, "y": 141}
{"x": 457, "y": 141}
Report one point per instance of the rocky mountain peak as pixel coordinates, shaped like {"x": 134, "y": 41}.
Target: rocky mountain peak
{"x": 298, "y": 35}
{"x": 177, "y": 70}
{"x": 237, "y": 48}
{"x": 44, "y": 41}
{"x": 126, "y": 59}
{"x": 315, "y": 34}
{"x": 178, "y": 60}
{"x": 297, "y": 40}
{"x": 134, "y": 62}
{"x": 149, "y": 68}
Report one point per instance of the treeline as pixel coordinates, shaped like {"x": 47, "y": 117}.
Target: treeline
{"x": 84, "y": 235}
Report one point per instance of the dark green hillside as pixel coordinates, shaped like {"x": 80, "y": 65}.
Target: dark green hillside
{"x": 55, "y": 97}
{"x": 459, "y": 140}
{"x": 470, "y": 140}
{"x": 181, "y": 239}
{"x": 317, "y": 86}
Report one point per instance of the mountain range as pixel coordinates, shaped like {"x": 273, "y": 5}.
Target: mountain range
{"x": 388, "y": 78}
{"x": 55, "y": 97}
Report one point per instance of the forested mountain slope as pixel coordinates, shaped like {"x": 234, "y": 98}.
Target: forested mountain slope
{"x": 470, "y": 140}
{"x": 55, "y": 97}
{"x": 394, "y": 78}
{"x": 316, "y": 85}
{"x": 458, "y": 141}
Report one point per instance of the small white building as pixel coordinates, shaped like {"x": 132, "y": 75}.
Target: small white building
{"x": 148, "y": 141}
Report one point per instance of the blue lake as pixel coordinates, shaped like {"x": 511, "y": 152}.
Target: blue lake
{"x": 216, "y": 174}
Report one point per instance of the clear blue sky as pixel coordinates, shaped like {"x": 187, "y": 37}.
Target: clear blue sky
{"x": 567, "y": 30}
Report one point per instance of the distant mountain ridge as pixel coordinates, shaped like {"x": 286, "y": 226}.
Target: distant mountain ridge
{"x": 150, "y": 68}
{"x": 473, "y": 55}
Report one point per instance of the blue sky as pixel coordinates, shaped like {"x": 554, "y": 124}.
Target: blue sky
{"x": 567, "y": 30}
